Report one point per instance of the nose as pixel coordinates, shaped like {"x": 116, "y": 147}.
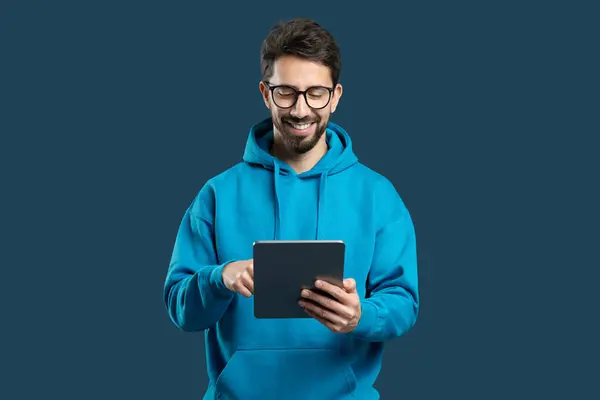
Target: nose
{"x": 300, "y": 109}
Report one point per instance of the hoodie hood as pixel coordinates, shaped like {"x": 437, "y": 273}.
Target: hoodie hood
{"x": 338, "y": 158}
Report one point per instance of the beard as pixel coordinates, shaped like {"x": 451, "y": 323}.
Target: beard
{"x": 297, "y": 144}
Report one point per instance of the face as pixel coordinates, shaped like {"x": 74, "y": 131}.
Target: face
{"x": 301, "y": 126}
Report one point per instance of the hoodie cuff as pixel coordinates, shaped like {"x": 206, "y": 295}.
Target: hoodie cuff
{"x": 216, "y": 281}
{"x": 368, "y": 320}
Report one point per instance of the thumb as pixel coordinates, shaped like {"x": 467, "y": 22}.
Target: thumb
{"x": 350, "y": 285}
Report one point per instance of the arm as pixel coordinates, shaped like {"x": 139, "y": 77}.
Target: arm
{"x": 194, "y": 292}
{"x": 391, "y": 304}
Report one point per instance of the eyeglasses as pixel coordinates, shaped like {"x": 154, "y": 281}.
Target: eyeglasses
{"x": 285, "y": 96}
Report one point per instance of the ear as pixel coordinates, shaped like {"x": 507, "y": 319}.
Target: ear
{"x": 264, "y": 91}
{"x": 337, "y": 94}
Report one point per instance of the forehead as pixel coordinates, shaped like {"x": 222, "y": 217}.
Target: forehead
{"x": 291, "y": 70}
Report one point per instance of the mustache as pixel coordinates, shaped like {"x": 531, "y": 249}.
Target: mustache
{"x": 307, "y": 120}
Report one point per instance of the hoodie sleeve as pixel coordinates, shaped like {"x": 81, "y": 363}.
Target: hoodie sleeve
{"x": 194, "y": 292}
{"x": 391, "y": 305}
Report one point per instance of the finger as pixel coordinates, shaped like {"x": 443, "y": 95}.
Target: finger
{"x": 240, "y": 287}
{"x": 243, "y": 291}
{"x": 248, "y": 281}
{"x": 350, "y": 285}
{"x": 323, "y": 315}
{"x": 333, "y": 290}
{"x": 250, "y": 269}
{"x": 328, "y": 303}
{"x": 323, "y": 312}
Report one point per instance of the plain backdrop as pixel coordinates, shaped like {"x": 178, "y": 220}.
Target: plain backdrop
{"x": 484, "y": 115}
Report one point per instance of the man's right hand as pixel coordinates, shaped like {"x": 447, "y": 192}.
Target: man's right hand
{"x": 238, "y": 276}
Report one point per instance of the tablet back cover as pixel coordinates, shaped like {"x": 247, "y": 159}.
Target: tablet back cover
{"x": 283, "y": 268}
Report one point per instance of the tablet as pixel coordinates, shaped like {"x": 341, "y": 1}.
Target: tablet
{"x": 282, "y": 268}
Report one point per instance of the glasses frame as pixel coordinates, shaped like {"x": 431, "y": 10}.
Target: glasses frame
{"x": 298, "y": 93}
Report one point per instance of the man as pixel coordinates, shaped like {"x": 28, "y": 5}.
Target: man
{"x": 299, "y": 179}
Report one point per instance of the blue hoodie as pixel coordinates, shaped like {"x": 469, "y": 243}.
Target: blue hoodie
{"x": 263, "y": 198}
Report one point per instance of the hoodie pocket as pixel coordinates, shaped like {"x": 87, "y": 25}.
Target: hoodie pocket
{"x": 286, "y": 374}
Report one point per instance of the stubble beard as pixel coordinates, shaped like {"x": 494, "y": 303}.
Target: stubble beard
{"x": 296, "y": 144}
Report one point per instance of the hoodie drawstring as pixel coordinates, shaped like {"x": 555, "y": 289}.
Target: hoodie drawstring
{"x": 321, "y": 205}
{"x": 277, "y": 204}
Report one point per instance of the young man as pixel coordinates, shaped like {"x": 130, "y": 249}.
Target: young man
{"x": 299, "y": 179}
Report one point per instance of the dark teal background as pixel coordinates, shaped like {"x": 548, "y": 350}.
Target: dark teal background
{"x": 483, "y": 114}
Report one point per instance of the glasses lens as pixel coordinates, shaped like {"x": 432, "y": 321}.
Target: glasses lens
{"x": 285, "y": 97}
{"x": 317, "y": 97}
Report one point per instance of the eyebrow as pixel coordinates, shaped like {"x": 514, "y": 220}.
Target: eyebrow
{"x": 296, "y": 87}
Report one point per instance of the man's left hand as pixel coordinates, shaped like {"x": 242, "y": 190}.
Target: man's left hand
{"x": 341, "y": 313}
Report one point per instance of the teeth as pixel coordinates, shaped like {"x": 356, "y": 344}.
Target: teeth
{"x": 300, "y": 126}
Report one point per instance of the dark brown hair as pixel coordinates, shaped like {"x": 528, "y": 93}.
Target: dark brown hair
{"x": 301, "y": 37}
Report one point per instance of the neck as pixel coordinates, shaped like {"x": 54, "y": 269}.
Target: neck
{"x": 299, "y": 162}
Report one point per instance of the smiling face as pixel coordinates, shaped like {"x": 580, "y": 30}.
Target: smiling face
{"x": 302, "y": 126}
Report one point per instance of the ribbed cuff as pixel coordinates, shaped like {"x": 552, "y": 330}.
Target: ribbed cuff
{"x": 368, "y": 320}
{"x": 216, "y": 281}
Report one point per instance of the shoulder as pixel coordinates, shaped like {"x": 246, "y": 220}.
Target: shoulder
{"x": 203, "y": 203}
{"x": 380, "y": 184}
{"x": 385, "y": 195}
{"x": 226, "y": 177}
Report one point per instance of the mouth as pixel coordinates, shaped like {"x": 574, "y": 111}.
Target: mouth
{"x": 301, "y": 129}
